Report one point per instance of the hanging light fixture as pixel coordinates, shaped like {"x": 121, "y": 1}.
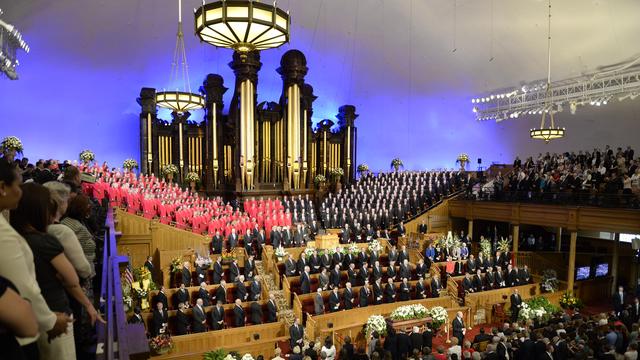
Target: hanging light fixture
{"x": 552, "y": 132}
{"x": 180, "y": 100}
{"x": 242, "y": 25}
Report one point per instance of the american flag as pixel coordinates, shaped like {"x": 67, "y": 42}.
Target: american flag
{"x": 128, "y": 274}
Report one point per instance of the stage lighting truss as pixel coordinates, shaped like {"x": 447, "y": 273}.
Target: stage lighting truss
{"x": 10, "y": 42}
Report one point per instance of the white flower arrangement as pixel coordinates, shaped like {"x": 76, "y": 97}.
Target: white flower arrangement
{"x": 375, "y": 245}
{"x": 376, "y": 323}
{"x": 203, "y": 261}
{"x": 485, "y": 246}
{"x": 396, "y": 163}
{"x": 280, "y": 252}
{"x": 504, "y": 245}
{"x": 319, "y": 179}
{"x": 463, "y": 157}
{"x": 438, "y": 313}
{"x": 130, "y": 164}
{"x": 229, "y": 357}
{"x": 363, "y": 168}
{"x": 169, "y": 169}
{"x": 409, "y": 312}
{"x": 353, "y": 249}
{"x": 87, "y": 155}
{"x": 12, "y": 143}
{"x": 336, "y": 172}
{"x": 192, "y": 177}
{"x": 128, "y": 302}
{"x": 247, "y": 357}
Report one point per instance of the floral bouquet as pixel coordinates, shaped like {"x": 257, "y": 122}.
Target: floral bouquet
{"x": 409, "y": 312}
{"x": 504, "y": 245}
{"x": 161, "y": 344}
{"x": 141, "y": 273}
{"x": 140, "y": 293}
{"x": 130, "y": 164}
{"x": 169, "y": 169}
{"x": 362, "y": 168}
{"x": 537, "y": 308}
{"x": 308, "y": 251}
{"x": 439, "y": 316}
{"x": 550, "y": 280}
{"x": 485, "y": 246}
{"x": 192, "y": 177}
{"x": 319, "y": 179}
{"x": 87, "y": 156}
{"x": 11, "y": 143}
{"x": 203, "y": 261}
{"x": 247, "y": 357}
{"x": 375, "y": 245}
{"x": 336, "y": 173}
{"x": 396, "y": 163}
{"x": 568, "y": 301}
{"x": 175, "y": 266}
{"x": 462, "y": 158}
{"x": 280, "y": 252}
{"x": 128, "y": 303}
{"x": 376, "y": 323}
{"x": 353, "y": 249}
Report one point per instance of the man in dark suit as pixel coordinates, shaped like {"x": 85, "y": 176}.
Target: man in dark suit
{"x": 238, "y": 311}
{"x": 478, "y": 281}
{"x": 458, "y": 327}
{"x": 199, "y": 318}
{"x": 363, "y": 273}
{"x": 161, "y": 297}
{"x": 482, "y": 336}
{"x": 318, "y": 303}
{"x": 325, "y": 260}
{"x": 348, "y": 297}
{"x": 334, "y": 277}
{"x": 149, "y": 264}
{"x": 346, "y": 234}
{"x": 347, "y": 260}
{"x": 363, "y": 296}
{"x": 234, "y": 270}
{"x": 351, "y": 273}
{"x": 403, "y": 254}
{"x": 296, "y": 334}
{"x": 241, "y": 289}
{"x": 274, "y": 237}
{"x": 405, "y": 271}
{"x": 137, "y": 318}
{"x": 232, "y": 239}
{"x": 489, "y": 279}
{"x": 403, "y": 342}
{"x": 524, "y": 276}
{"x": 314, "y": 262}
{"x": 512, "y": 276}
{"x": 393, "y": 254}
{"x": 203, "y": 294}
{"x": 467, "y": 284}
{"x": 338, "y": 256}
{"x": 160, "y": 320}
{"x": 422, "y": 228}
{"x": 389, "y": 292}
{"x": 186, "y": 274}
{"x": 471, "y": 265}
{"x": 391, "y": 271}
{"x": 405, "y": 290}
{"x": 302, "y": 262}
{"x": 221, "y": 292}
{"x": 618, "y": 301}
{"x": 561, "y": 349}
{"x": 427, "y": 337}
{"x": 256, "y": 313}
{"x": 416, "y": 339}
{"x": 421, "y": 292}
{"x": 435, "y": 287}
{"x": 421, "y": 269}
{"x": 217, "y": 316}
{"x": 218, "y": 272}
{"x": 290, "y": 266}
{"x": 182, "y": 321}
{"x": 181, "y": 296}
{"x": 401, "y": 229}
{"x": 516, "y": 304}
{"x": 255, "y": 289}
{"x": 216, "y": 243}
{"x": 272, "y": 309}
{"x": 634, "y": 311}
{"x": 305, "y": 281}
{"x": 377, "y": 292}
{"x": 376, "y": 271}
{"x": 334, "y": 300}
{"x": 249, "y": 268}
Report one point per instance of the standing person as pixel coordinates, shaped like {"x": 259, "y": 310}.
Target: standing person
{"x": 458, "y": 327}
{"x": 328, "y": 349}
{"x": 618, "y": 301}
{"x": 296, "y": 333}
{"x": 516, "y": 303}
{"x": 54, "y": 272}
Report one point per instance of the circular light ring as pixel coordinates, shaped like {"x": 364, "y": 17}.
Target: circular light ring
{"x": 179, "y": 101}
{"x": 242, "y": 25}
{"x": 547, "y": 134}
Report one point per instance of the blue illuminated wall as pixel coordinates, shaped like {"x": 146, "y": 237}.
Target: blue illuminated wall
{"x": 79, "y": 84}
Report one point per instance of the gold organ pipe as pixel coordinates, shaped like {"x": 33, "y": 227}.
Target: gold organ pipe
{"x": 149, "y": 143}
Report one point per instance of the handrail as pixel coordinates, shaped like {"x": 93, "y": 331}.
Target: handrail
{"x": 576, "y": 198}
{"x": 424, "y": 211}
{"x": 116, "y": 338}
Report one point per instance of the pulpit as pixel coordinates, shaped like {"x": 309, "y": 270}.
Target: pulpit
{"x": 327, "y": 241}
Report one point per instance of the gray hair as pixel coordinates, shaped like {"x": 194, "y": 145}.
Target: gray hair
{"x": 60, "y": 194}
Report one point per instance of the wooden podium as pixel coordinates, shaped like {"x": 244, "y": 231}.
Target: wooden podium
{"x": 327, "y": 241}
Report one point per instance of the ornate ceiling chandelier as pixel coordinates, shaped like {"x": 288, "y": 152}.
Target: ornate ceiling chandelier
{"x": 10, "y": 42}
{"x": 552, "y": 132}
{"x": 183, "y": 100}
{"x": 242, "y": 25}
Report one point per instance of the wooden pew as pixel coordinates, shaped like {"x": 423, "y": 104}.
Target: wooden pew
{"x": 256, "y": 340}
{"x": 229, "y": 316}
{"x": 193, "y": 294}
{"x": 339, "y": 319}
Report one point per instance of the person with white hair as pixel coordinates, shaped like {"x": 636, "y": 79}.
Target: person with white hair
{"x": 68, "y": 239}
{"x": 455, "y": 348}
{"x": 277, "y": 352}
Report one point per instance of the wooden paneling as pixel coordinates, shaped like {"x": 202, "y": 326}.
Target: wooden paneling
{"x": 568, "y": 217}
{"x": 241, "y": 339}
{"x": 137, "y": 247}
{"x": 131, "y": 224}
{"x": 167, "y": 237}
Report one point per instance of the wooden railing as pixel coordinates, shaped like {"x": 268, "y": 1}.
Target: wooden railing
{"x": 286, "y": 290}
{"x": 297, "y": 307}
{"x": 116, "y": 339}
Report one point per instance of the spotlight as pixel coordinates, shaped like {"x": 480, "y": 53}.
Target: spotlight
{"x": 492, "y": 97}
{"x": 475, "y": 109}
